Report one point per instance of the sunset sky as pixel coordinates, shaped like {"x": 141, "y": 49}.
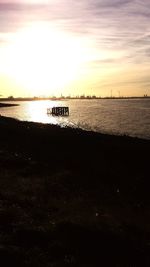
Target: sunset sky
{"x": 74, "y": 47}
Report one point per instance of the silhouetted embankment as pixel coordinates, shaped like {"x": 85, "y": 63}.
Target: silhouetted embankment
{"x": 5, "y": 105}
{"x": 72, "y": 198}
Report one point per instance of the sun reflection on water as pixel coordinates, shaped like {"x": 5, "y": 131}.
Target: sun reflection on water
{"x": 37, "y": 112}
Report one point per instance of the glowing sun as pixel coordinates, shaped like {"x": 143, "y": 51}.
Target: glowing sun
{"x": 43, "y": 59}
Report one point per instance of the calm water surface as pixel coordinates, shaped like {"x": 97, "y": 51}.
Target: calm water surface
{"x": 114, "y": 116}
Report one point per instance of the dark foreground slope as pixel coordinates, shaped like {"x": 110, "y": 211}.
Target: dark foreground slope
{"x": 72, "y": 198}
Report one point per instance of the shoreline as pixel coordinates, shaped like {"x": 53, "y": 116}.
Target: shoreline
{"x": 73, "y": 98}
{"x": 5, "y": 105}
{"x": 71, "y": 197}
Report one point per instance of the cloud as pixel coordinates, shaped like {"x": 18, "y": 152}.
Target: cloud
{"x": 120, "y": 27}
{"x": 111, "y": 24}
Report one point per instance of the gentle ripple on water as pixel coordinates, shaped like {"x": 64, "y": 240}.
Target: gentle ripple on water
{"x": 114, "y": 116}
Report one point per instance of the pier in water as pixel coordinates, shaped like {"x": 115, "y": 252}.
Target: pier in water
{"x": 58, "y": 111}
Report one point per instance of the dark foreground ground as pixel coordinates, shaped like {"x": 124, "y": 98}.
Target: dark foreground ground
{"x": 72, "y": 198}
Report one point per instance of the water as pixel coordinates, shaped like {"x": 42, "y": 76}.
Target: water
{"x": 113, "y": 116}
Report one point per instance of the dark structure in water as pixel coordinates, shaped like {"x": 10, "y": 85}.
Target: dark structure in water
{"x": 58, "y": 111}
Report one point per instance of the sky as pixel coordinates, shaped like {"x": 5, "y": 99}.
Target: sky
{"x": 74, "y": 47}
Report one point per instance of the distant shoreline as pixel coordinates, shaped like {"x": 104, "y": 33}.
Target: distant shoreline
{"x": 70, "y": 98}
{"x": 5, "y": 105}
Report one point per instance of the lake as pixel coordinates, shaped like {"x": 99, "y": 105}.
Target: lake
{"x": 112, "y": 116}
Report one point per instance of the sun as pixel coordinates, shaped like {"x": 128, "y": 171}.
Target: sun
{"x": 44, "y": 60}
